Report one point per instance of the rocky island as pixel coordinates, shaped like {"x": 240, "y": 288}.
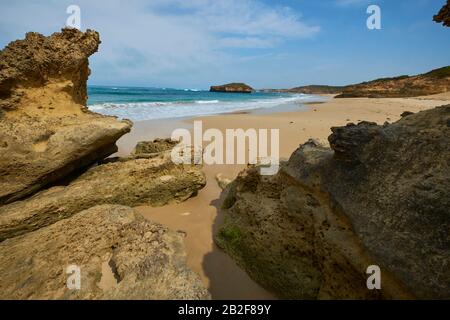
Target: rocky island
{"x": 233, "y": 88}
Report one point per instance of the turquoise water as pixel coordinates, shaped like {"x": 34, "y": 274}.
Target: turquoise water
{"x": 161, "y": 103}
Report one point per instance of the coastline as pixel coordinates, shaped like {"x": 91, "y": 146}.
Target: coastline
{"x": 200, "y": 216}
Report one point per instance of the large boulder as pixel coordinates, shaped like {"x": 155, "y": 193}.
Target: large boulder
{"x": 120, "y": 255}
{"x": 46, "y": 131}
{"x": 379, "y": 196}
{"x": 132, "y": 181}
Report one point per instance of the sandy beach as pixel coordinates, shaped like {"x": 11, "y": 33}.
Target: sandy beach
{"x": 199, "y": 216}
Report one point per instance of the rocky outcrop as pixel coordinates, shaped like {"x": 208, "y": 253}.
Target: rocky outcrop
{"x": 433, "y": 82}
{"x": 46, "y": 131}
{"x": 120, "y": 255}
{"x": 233, "y": 88}
{"x": 49, "y": 139}
{"x": 311, "y": 89}
{"x": 379, "y": 196}
{"x": 154, "y": 147}
{"x": 444, "y": 15}
{"x": 154, "y": 181}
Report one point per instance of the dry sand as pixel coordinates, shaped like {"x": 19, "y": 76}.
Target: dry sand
{"x": 200, "y": 217}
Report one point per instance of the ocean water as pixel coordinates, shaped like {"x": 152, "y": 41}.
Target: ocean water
{"x": 139, "y": 104}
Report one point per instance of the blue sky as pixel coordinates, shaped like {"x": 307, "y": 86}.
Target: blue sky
{"x": 267, "y": 44}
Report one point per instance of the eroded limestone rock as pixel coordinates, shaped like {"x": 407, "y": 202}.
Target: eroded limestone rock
{"x": 120, "y": 255}
{"x": 46, "y": 131}
{"x": 381, "y": 197}
{"x": 156, "y": 182}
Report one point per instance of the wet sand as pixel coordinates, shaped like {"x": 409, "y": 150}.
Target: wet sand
{"x": 200, "y": 216}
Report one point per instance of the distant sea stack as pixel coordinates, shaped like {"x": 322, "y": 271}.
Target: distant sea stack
{"x": 233, "y": 88}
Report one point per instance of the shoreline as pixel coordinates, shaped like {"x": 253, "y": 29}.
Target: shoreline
{"x": 170, "y": 110}
{"x": 200, "y": 216}
{"x": 162, "y": 128}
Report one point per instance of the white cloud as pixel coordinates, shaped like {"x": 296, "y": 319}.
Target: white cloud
{"x": 249, "y": 17}
{"x": 161, "y": 39}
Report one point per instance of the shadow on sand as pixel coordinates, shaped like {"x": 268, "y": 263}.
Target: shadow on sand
{"x": 227, "y": 280}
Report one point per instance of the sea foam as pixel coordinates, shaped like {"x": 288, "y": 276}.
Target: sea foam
{"x": 138, "y": 111}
